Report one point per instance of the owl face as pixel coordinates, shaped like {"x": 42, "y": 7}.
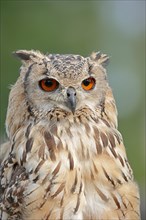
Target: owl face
{"x": 66, "y": 82}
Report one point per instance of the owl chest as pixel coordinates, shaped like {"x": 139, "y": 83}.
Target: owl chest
{"x": 70, "y": 176}
{"x": 65, "y": 175}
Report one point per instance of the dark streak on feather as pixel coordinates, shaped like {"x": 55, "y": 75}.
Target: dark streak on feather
{"x": 113, "y": 152}
{"x": 106, "y": 122}
{"x": 57, "y": 168}
{"x": 41, "y": 151}
{"x": 39, "y": 166}
{"x": 36, "y": 179}
{"x": 50, "y": 144}
{"x": 119, "y": 181}
{"x": 121, "y": 160}
{"x": 97, "y": 141}
{"x": 59, "y": 190}
{"x": 125, "y": 178}
{"x": 31, "y": 202}
{"x": 107, "y": 176}
{"x": 29, "y": 144}
{"x": 101, "y": 194}
{"x": 116, "y": 201}
{"x": 48, "y": 188}
{"x": 118, "y": 138}
{"x": 61, "y": 201}
{"x": 78, "y": 199}
{"x": 28, "y": 131}
{"x": 104, "y": 139}
{"x": 42, "y": 204}
{"x": 48, "y": 216}
{"x": 95, "y": 168}
{"x": 73, "y": 188}
{"x": 32, "y": 191}
{"x": 112, "y": 140}
{"x": 124, "y": 205}
{"x": 23, "y": 159}
{"x": 71, "y": 161}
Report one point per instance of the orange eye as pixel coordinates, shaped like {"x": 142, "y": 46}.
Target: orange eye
{"x": 88, "y": 84}
{"x": 49, "y": 85}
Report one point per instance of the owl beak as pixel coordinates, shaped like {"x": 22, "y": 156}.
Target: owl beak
{"x": 71, "y": 99}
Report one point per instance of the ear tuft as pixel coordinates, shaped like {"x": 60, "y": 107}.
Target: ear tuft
{"x": 99, "y": 58}
{"x": 22, "y": 54}
{"x": 28, "y": 55}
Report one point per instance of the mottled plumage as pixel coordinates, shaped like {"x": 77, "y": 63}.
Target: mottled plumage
{"x": 64, "y": 158}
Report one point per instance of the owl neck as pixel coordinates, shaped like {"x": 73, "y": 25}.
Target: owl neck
{"x": 82, "y": 116}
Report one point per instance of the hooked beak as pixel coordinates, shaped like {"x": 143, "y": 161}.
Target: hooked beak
{"x": 71, "y": 99}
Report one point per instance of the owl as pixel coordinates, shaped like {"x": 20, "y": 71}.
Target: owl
{"x": 64, "y": 158}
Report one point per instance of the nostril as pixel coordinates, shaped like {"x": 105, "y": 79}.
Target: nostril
{"x": 68, "y": 94}
{"x": 71, "y": 92}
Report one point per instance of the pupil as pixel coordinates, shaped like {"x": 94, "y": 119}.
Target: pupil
{"x": 86, "y": 82}
{"x": 49, "y": 83}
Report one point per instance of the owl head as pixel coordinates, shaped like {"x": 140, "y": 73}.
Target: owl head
{"x": 68, "y": 83}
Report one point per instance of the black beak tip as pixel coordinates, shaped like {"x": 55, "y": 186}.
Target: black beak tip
{"x": 73, "y": 110}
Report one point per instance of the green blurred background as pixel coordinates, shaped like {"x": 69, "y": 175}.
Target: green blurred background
{"x": 113, "y": 27}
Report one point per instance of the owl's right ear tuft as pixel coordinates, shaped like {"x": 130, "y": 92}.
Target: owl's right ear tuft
{"x": 23, "y": 54}
{"x": 27, "y": 55}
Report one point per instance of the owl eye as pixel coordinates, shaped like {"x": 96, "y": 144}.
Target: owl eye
{"x": 48, "y": 85}
{"x": 88, "y": 84}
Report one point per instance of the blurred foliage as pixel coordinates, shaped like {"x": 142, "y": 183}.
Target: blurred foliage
{"x": 114, "y": 27}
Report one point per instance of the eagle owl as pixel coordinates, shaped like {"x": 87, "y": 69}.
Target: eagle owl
{"x": 64, "y": 158}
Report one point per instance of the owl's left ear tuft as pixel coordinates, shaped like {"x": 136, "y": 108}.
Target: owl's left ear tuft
{"x": 99, "y": 58}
